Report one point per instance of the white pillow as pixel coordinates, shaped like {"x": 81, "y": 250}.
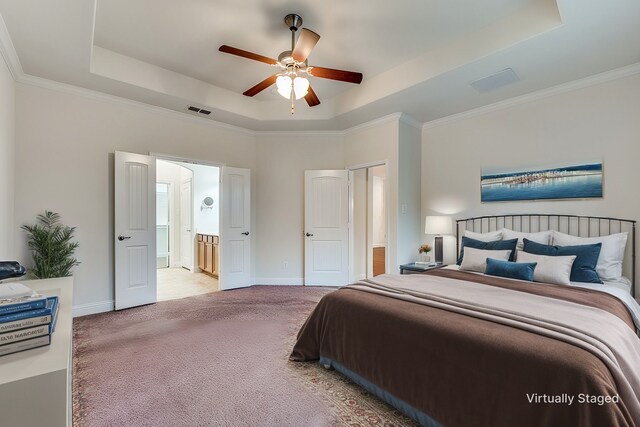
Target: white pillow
{"x": 609, "y": 265}
{"x": 543, "y": 237}
{"x": 484, "y": 237}
{"x": 550, "y": 269}
{"x": 476, "y": 259}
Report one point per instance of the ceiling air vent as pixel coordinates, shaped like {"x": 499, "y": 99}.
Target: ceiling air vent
{"x": 198, "y": 110}
{"x": 495, "y": 81}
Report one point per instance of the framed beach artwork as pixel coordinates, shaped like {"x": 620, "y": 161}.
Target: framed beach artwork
{"x": 568, "y": 181}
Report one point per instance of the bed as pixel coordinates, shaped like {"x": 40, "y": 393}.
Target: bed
{"x": 459, "y": 348}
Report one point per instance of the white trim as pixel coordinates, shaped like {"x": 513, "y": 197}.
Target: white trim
{"x": 92, "y": 308}
{"x": 596, "y": 79}
{"x": 288, "y": 281}
{"x": 374, "y": 122}
{"x": 8, "y": 52}
{"x": 409, "y": 120}
{"x": 189, "y": 160}
{"x": 294, "y": 133}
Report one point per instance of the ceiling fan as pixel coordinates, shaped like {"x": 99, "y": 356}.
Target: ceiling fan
{"x": 293, "y": 65}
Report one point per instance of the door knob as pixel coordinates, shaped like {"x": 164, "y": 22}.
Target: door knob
{"x": 121, "y": 237}
{"x": 246, "y": 233}
{"x": 309, "y": 235}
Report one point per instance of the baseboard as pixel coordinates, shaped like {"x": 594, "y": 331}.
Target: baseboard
{"x": 92, "y": 308}
{"x": 297, "y": 281}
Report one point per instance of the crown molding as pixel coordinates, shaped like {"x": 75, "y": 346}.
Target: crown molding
{"x": 380, "y": 120}
{"x": 290, "y": 133}
{"x": 8, "y": 52}
{"x": 409, "y": 120}
{"x": 594, "y": 80}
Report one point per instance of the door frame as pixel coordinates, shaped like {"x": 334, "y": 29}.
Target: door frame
{"x": 172, "y": 242}
{"x": 174, "y": 158}
{"x": 193, "y": 265}
{"x": 351, "y": 170}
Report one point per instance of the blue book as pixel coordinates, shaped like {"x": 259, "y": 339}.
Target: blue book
{"x": 22, "y": 304}
{"x": 54, "y": 309}
{"x": 30, "y": 318}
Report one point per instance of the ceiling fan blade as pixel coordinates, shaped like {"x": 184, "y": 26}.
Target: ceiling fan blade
{"x": 250, "y": 55}
{"x": 341, "y": 75}
{"x": 305, "y": 44}
{"x": 261, "y": 86}
{"x": 311, "y": 98}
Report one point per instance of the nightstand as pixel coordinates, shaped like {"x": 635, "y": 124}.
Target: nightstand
{"x": 414, "y": 268}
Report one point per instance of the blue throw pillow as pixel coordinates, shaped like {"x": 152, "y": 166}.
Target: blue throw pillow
{"x": 495, "y": 245}
{"x": 511, "y": 270}
{"x": 584, "y": 267}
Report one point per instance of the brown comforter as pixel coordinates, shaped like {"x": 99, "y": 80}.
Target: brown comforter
{"x": 463, "y": 370}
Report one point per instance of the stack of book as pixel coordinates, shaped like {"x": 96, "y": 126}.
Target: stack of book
{"x": 27, "y": 319}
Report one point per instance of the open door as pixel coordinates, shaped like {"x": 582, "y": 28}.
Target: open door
{"x": 186, "y": 236}
{"x": 235, "y": 228}
{"x": 135, "y": 230}
{"x": 326, "y": 219}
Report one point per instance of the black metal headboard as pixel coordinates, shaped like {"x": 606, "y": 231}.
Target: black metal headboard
{"x": 576, "y": 225}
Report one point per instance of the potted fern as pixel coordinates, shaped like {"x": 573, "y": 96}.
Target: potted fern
{"x": 52, "y": 247}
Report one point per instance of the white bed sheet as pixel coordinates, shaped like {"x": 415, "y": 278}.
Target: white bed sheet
{"x": 620, "y": 289}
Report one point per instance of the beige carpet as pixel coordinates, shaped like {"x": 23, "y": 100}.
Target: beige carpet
{"x": 174, "y": 283}
{"x": 219, "y": 359}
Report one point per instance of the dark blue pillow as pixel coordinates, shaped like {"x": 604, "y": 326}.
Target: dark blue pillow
{"x": 584, "y": 267}
{"x": 511, "y": 270}
{"x": 495, "y": 245}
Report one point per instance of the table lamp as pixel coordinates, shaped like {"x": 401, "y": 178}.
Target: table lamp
{"x": 438, "y": 225}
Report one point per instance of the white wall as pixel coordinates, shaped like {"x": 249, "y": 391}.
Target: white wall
{"x": 377, "y": 143}
{"x": 206, "y": 183}
{"x": 7, "y": 158}
{"x": 600, "y": 122}
{"x": 282, "y": 160}
{"x": 410, "y": 228}
{"x": 397, "y": 143}
{"x": 64, "y": 162}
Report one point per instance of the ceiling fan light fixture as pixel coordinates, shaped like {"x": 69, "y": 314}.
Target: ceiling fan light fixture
{"x": 285, "y": 84}
{"x": 300, "y": 87}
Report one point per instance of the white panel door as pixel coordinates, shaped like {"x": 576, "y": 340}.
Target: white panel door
{"x": 186, "y": 236}
{"x": 135, "y": 230}
{"x": 326, "y": 219}
{"x": 235, "y": 228}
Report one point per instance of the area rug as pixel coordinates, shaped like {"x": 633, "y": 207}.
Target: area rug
{"x": 219, "y": 359}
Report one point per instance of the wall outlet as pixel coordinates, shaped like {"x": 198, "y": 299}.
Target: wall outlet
{"x": 403, "y": 208}
{"x": 285, "y": 265}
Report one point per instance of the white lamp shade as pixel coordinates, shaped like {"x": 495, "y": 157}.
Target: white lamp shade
{"x": 300, "y": 87}
{"x": 283, "y": 83}
{"x": 438, "y": 224}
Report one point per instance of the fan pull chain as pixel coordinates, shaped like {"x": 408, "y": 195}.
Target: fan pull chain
{"x": 292, "y": 97}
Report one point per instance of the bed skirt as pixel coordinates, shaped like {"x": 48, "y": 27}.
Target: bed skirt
{"x": 419, "y": 416}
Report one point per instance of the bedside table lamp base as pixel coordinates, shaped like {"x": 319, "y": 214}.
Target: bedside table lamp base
{"x": 438, "y": 249}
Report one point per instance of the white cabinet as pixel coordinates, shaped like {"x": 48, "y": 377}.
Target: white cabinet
{"x": 35, "y": 385}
